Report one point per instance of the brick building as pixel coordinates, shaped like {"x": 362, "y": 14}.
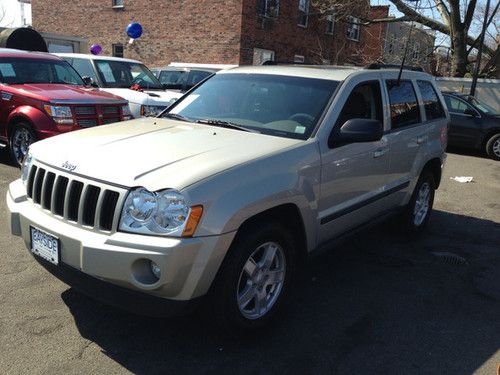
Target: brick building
{"x": 207, "y": 31}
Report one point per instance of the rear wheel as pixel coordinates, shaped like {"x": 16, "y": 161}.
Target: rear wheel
{"x": 493, "y": 147}
{"x": 419, "y": 208}
{"x": 255, "y": 279}
{"x": 21, "y": 137}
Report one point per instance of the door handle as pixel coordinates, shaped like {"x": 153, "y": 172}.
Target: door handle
{"x": 380, "y": 152}
{"x": 421, "y": 139}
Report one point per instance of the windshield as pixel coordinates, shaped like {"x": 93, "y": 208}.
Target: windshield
{"x": 21, "y": 71}
{"x": 484, "y": 107}
{"x": 123, "y": 74}
{"x": 270, "y": 104}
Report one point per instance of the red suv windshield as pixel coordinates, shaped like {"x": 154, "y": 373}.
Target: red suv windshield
{"x": 21, "y": 71}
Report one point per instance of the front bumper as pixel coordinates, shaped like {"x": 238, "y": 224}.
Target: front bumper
{"x": 188, "y": 265}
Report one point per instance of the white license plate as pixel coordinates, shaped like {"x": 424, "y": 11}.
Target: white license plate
{"x": 44, "y": 245}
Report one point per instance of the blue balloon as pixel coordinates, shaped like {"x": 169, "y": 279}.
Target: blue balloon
{"x": 134, "y": 30}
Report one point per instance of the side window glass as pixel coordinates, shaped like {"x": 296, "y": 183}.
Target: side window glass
{"x": 365, "y": 101}
{"x": 404, "y": 105}
{"x": 455, "y": 105}
{"x": 432, "y": 104}
{"x": 196, "y": 76}
{"x": 84, "y": 68}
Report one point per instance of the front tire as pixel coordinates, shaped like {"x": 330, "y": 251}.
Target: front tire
{"x": 493, "y": 147}
{"x": 255, "y": 278}
{"x": 419, "y": 208}
{"x": 22, "y": 136}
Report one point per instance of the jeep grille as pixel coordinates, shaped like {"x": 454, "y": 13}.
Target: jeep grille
{"x": 76, "y": 201}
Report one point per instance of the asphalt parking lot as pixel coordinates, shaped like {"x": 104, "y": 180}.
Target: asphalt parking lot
{"x": 381, "y": 303}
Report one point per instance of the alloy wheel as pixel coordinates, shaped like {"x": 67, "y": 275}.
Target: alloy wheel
{"x": 21, "y": 141}
{"x": 261, "y": 280}
{"x": 422, "y": 203}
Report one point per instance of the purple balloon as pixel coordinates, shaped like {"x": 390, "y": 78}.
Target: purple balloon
{"x": 95, "y": 49}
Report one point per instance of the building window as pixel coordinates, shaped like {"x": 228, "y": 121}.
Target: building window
{"x": 260, "y": 56}
{"x": 330, "y": 19}
{"x": 268, "y": 8}
{"x": 303, "y": 12}
{"x": 117, "y": 50}
{"x": 416, "y": 51}
{"x": 299, "y": 59}
{"x": 353, "y": 28}
{"x": 117, "y": 3}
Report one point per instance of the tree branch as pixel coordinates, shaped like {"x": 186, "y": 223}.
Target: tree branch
{"x": 470, "y": 13}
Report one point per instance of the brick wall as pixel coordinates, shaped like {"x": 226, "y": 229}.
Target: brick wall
{"x": 286, "y": 38}
{"x": 195, "y": 31}
{"x": 373, "y": 36}
{"x": 198, "y": 31}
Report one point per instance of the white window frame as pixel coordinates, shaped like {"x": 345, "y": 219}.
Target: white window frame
{"x": 118, "y": 4}
{"x": 299, "y": 59}
{"x": 268, "y": 10}
{"x": 353, "y": 28}
{"x": 261, "y": 52}
{"x": 304, "y": 13}
{"x": 330, "y": 24}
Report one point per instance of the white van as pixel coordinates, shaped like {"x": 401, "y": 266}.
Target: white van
{"x": 130, "y": 79}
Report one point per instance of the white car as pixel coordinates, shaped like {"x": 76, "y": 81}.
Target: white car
{"x": 130, "y": 79}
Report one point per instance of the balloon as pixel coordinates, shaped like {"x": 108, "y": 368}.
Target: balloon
{"x": 134, "y": 30}
{"x": 95, "y": 49}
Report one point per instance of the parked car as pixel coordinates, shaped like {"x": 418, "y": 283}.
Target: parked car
{"x": 182, "y": 77}
{"x": 473, "y": 124}
{"x": 42, "y": 96}
{"x": 127, "y": 78}
{"x": 231, "y": 187}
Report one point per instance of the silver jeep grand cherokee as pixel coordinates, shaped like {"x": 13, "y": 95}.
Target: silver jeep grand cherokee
{"x": 222, "y": 194}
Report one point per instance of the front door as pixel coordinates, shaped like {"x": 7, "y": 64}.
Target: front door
{"x": 465, "y": 126}
{"x": 353, "y": 176}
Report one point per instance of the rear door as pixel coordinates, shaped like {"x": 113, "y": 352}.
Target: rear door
{"x": 354, "y": 176}
{"x": 465, "y": 127}
{"x": 407, "y": 134}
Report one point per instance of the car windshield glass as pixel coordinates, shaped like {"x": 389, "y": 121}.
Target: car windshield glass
{"x": 124, "y": 74}
{"x": 270, "y": 104}
{"x": 22, "y": 71}
{"x": 484, "y": 107}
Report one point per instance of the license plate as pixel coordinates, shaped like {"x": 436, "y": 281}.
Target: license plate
{"x": 44, "y": 245}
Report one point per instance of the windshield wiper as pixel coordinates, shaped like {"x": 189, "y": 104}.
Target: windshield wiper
{"x": 225, "y": 124}
{"x": 175, "y": 116}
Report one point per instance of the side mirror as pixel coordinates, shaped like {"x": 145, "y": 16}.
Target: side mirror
{"x": 470, "y": 112}
{"x": 357, "y": 130}
{"x": 88, "y": 81}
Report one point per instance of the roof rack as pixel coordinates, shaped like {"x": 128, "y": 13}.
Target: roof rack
{"x": 376, "y": 66}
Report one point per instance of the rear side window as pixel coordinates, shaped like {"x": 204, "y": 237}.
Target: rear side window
{"x": 404, "y": 105}
{"x": 432, "y": 105}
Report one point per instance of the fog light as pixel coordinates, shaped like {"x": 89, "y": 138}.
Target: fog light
{"x": 155, "y": 269}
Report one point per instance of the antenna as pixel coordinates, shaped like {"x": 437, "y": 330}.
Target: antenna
{"x": 406, "y": 46}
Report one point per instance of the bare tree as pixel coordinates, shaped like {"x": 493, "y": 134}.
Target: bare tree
{"x": 451, "y": 17}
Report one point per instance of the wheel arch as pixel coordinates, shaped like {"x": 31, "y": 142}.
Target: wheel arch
{"x": 487, "y": 137}
{"x": 288, "y": 214}
{"x": 434, "y": 166}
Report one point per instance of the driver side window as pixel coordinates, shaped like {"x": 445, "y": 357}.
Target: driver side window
{"x": 365, "y": 101}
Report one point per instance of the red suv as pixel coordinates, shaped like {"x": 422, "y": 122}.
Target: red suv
{"x": 42, "y": 96}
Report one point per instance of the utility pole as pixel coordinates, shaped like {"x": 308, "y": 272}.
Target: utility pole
{"x": 480, "y": 50}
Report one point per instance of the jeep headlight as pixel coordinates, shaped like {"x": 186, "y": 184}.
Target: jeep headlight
{"x": 25, "y": 167}
{"x": 159, "y": 213}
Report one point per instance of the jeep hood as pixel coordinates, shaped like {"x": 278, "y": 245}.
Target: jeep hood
{"x": 53, "y": 92}
{"x": 155, "y": 153}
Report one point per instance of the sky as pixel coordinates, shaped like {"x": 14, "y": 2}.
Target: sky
{"x": 11, "y": 11}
